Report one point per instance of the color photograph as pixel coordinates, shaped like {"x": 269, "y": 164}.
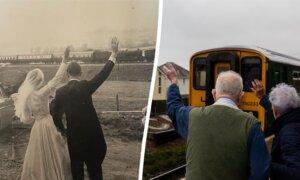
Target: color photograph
{"x": 225, "y": 100}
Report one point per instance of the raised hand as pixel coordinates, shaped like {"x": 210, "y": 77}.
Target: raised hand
{"x": 114, "y": 45}
{"x": 170, "y": 72}
{"x": 258, "y": 88}
{"x": 66, "y": 53}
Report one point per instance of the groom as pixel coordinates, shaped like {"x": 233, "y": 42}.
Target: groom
{"x": 84, "y": 133}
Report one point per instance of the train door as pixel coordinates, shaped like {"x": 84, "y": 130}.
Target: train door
{"x": 220, "y": 67}
{"x": 218, "y": 62}
{"x": 253, "y": 66}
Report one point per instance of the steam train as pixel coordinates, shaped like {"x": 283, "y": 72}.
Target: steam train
{"x": 97, "y": 56}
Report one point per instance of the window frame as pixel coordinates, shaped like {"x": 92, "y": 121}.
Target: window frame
{"x": 298, "y": 75}
{"x": 242, "y": 70}
{"x": 203, "y": 59}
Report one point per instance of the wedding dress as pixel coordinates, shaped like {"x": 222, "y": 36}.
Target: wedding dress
{"x": 47, "y": 155}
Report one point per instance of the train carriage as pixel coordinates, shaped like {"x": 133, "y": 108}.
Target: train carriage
{"x": 251, "y": 63}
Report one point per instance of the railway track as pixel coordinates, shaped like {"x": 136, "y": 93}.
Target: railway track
{"x": 161, "y": 137}
{"x": 173, "y": 174}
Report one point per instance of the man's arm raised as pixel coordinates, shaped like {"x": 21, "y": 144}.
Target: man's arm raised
{"x": 177, "y": 111}
{"x": 259, "y": 90}
{"x": 99, "y": 78}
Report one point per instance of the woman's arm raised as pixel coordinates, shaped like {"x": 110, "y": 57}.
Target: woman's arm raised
{"x": 60, "y": 75}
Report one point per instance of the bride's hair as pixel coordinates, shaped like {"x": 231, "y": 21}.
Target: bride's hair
{"x": 33, "y": 81}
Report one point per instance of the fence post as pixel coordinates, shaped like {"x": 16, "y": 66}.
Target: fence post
{"x": 117, "y": 102}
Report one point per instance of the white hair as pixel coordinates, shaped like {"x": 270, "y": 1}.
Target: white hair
{"x": 284, "y": 97}
{"x": 229, "y": 83}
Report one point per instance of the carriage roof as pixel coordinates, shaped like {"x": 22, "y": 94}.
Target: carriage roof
{"x": 271, "y": 55}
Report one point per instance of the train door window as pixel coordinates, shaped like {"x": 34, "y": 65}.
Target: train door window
{"x": 220, "y": 67}
{"x": 199, "y": 75}
{"x": 250, "y": 70}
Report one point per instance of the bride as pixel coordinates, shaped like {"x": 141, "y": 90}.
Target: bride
{"x": 47, "y": 155}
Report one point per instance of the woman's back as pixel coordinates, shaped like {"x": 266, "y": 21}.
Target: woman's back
{"x": 38, "y": 105}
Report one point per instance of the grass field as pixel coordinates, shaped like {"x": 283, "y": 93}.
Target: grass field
{"x": 123, "y": 131}
{"x": 163, "y": 158}
{"x": 12, "y": 76}
{"x": 133, "y": 95}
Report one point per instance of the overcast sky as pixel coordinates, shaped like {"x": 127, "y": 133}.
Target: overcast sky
{"x": 192, "y": 25}
{"x": 33, "y": 23}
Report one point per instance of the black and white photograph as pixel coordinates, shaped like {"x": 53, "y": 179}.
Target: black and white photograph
{"x": 74, "y": 85}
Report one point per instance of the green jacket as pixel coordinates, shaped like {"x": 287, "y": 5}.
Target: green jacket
{"x": 217, "y": 143}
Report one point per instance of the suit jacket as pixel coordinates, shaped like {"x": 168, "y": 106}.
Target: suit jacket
{"x": 84, "y": 132}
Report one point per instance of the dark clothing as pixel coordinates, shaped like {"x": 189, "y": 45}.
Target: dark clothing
{"x": 217, "y": 143}
{"x": 264, "y": 102}
{"x": 85, "y": 138}
{"x": 269, "y": 128}
{"x": 259, "y": 159}
{"x": 286, "y": 145}
{"x": 93, "y": 166}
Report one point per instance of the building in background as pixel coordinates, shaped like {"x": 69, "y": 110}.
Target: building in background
{"x": 162, "y": 84}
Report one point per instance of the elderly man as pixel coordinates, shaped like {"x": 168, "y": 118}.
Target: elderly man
{"x": 284, "y": 101}
{"x": 223, "y": 142}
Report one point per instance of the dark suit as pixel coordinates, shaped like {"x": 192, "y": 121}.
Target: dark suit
{"x": 84, "y": 133}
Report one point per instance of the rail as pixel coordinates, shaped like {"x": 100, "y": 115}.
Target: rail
{"x": 176, "y": 172}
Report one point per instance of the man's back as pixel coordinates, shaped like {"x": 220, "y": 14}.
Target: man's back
{"x": 78, "y": 107}
{"x": 84, "y": 132}
{"x": 83, "y": 127}
{"x": 217, "y": 143}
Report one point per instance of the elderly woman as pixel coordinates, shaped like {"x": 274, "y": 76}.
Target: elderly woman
{"x": 285, "y": 103}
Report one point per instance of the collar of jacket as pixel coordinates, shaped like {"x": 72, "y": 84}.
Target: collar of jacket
{"x": 226, "y": 102}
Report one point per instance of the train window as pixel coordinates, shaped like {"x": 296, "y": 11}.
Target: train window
{"x": 199, "y": 76}
{"x": 250, "y": 70}
{"x": 277, "y": 77}
{"x": 296, "y": 75}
